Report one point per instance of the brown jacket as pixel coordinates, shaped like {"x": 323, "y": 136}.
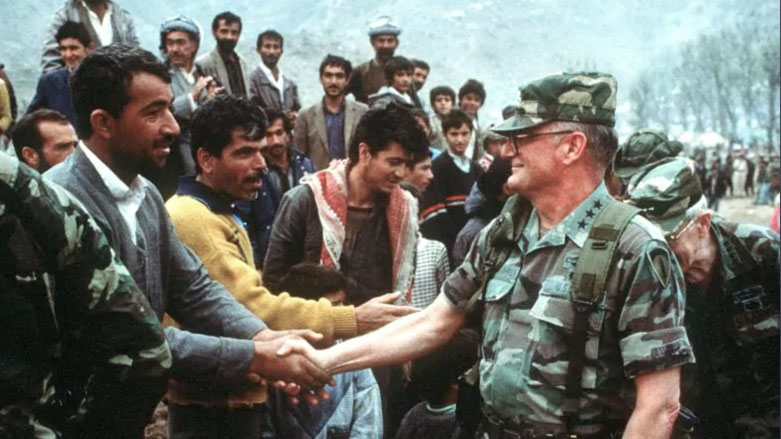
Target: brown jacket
{"x": 311, "y": 137}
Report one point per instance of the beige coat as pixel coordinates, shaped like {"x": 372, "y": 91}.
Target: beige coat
{"x": 311, "y": 137}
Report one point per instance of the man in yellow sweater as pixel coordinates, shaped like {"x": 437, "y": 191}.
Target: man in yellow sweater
{"x": 227, "y": 135}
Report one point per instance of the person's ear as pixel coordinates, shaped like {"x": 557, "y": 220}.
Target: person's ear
{"x": 102, "y": 123}
{"x": 703, "y": 224}
{"x": 364, "y": 153}
{"x": 31, "y": 157}
{"x": 572, "y": 147}
{"x": 206, "y": 161}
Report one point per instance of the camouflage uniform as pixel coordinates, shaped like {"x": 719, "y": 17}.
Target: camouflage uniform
{"x": 642, "y": 150}
{"x": 733, "y": 326}
{"x": 528, "y": 312}
{"x": 82, "y": 353}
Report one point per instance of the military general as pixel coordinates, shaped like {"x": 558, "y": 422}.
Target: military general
{"x": 554, "y": 365}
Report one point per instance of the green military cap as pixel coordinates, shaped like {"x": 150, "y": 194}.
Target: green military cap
{"x": 665, "y": 191}
{"x": 643, "y": 149}
{"x": 588, "y": 97}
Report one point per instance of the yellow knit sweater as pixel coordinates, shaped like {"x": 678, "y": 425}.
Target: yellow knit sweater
{"x": 224, "y": 247}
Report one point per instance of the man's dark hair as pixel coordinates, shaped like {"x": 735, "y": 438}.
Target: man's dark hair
{"x": 273, "y": 114}
{"x": 441, "y": 90}
{"x": 472, "y": 86}
{"x": 420, "y": 64}
{"x": 333, "y": 60}
{"x": 103, "y": 78}
{"x": 26, "y": 132}
{"x": 214, "y": 120}
{"x": 455, "y": 119}
{"x": 72, "y": 29}
{"x": 311, "y": 281}
{"x": 491, "y": 184}
{"x": 420, "y": 114}
{"x": 270, "y": 34}
{"x": 433, "y": 375}
{"x": 395, "y": 64}
{"x": 392, "y": 123}
{"x": 228, "y": 17}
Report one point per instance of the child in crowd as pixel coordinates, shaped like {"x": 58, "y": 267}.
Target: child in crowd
{"x": 442, "y": 99}
{"x": 435, "y": 378}
{"x": 354, "y": 409}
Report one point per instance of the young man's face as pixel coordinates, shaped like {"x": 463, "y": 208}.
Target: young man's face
{"x": 385, "y": 169}
{"x": 458, "y": 139}
{"x": 442, "y": 104}
{"x": 180, "y": 48}
{"x": 276, "y": 140}
{"x": 419, "y": 77}
{"x": 59, "y": 141}
{"x": 237, "y": 172}
{"x": 470, "y": 103}
{"x": 142, "y": 134}
{"x": 384, "y": 46}
{"x": 401, "y": 81}
{"x": 334, "y": 81}
{"x": 270, "y": 51}
{"x": 421, "y": 175}
{"x": 227, "y": 35}
{"x": 72, "y": 52}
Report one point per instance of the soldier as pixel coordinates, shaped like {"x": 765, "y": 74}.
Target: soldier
{"x": 732, "y": 293}
{"x": 633, "y": 338}
{"x": 82, "y": 352}
{"x": 643, "y": 150}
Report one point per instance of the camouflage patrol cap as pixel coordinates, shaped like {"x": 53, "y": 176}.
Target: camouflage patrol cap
{"x": 588, "y": 97}
{"x": 643, "y": 149}
{"x": 665, "y": 191}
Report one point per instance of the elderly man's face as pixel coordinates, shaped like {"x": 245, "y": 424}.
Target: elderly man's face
{"x": 690, "y": 243}
{"x": 384, "y": 46}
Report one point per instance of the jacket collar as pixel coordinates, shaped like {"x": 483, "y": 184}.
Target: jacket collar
{"x": 217, "y": 203}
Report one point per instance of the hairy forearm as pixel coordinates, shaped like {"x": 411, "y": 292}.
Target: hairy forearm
{"x": 402, "y": 340}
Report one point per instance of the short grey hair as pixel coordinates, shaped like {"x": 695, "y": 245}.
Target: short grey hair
{"x": 695, "y": 209}
{"x": 602, "y": 140}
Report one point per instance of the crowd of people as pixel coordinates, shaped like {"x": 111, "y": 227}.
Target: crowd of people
{"x": 370, "y": 265}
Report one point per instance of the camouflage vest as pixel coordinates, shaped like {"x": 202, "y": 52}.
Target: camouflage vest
{"x": 588, "y": 280}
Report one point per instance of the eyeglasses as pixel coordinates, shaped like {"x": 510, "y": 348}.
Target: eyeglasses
{"x": 517, "y": 141}
{"x": 675, "y": 236}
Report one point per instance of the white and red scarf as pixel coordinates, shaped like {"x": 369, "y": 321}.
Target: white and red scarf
{"x": 329, "y": 187}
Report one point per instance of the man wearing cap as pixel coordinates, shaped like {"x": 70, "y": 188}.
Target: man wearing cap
{"x": 368, "y": 77}
{"x": 642, "y": 150}
{"x": 180, "y": 38}
{"x": 562, "y": 140}
{"x": 732, "y": 294}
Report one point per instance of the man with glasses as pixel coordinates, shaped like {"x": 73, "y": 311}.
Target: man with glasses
{"x": 732, "y": 294}
{"x": 635, "y": 341}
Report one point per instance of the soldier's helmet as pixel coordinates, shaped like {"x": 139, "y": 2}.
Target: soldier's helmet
{"x": 644, "y": 149}
{"x": 665, "y": 191}
{"x": 587, "y": 97}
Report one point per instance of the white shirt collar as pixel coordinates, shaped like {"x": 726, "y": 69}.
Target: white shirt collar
{"x": 103, "y": 29}
{"x": 188, "y": 76}
{"x": 119, "y": 190}
{"x": 462, "y": 162}
{"x": 279, "y": 84}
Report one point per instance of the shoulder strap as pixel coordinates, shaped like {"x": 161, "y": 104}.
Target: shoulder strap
{"x": 588, "y": 285}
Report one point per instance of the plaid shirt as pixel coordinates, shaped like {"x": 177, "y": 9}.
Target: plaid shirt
{"x": 431, "y": 269}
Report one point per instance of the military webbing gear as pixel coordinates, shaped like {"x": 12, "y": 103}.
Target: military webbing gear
{"x": 589, "y": 277}
{"x": 588, "y": 286}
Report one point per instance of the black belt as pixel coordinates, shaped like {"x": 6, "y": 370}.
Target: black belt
{"x": 496, "y": 429}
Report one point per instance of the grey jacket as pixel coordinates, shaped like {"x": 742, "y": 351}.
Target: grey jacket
{"x": 172, "y": 278}
{"x": 266, "y": 94}
{"x": 311, "y": 138}
{"x": 74, "y": 10}
{"x": 211, "y": 64}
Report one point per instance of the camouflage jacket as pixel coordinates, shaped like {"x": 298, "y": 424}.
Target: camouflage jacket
{"x": 528, "y": 318}
{"x": 74, "y": 328}
{"x": 734, "y": 329}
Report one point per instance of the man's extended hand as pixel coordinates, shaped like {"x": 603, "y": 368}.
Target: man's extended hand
{"x": 292, "y": 368}
{"x": 378, "y": 312}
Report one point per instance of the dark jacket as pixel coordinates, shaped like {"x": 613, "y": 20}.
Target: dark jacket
{"x": 54, "y": 92}
{"x": 480, "y": 211}
{"x": 258, "y": 216}
{"x": 266, "y": 94}
{"x": 297, "y": 236}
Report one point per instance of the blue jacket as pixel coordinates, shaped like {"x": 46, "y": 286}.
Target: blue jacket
{"x": 54, "y": 92}
{"x": 258, "y": 217}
